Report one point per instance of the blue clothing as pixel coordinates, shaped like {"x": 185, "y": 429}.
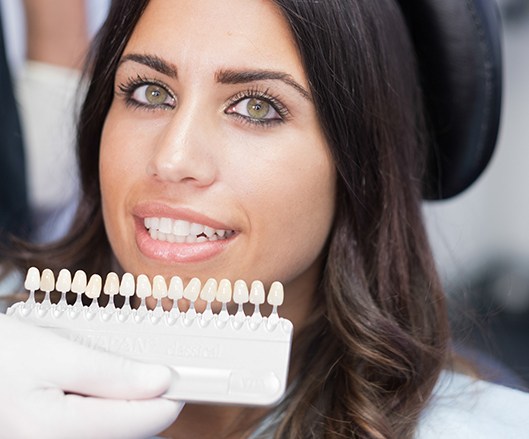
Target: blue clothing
{"x": 466, "y": 408}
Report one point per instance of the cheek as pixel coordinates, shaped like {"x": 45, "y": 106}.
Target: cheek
{"x": 293, "y": 214}
{"x": 117, "y": 172}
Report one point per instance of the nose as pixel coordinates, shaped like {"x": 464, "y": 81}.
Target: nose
{"x": 183, "y": 151}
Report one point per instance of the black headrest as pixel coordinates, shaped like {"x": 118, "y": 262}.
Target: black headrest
{"x": 459, "y": 52}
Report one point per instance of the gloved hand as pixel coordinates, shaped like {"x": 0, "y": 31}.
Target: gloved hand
{"x": 51, "y": 387}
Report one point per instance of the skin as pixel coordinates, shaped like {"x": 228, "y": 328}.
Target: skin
{"x": 196, "y": 156}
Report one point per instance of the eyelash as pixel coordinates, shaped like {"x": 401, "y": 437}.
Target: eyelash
{"x": 256, "y": 93}
{"x": 128, "y": 88}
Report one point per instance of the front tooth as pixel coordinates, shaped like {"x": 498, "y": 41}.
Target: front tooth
{"x": 257, "y": 292}
{"x": 166, "y": 225}
{"x": 79, "y": 282}
{"x": 93, "y": 288}
{"x": 161, "y": 236}
{"x": 240, "y": 292}
{"x": 155, "y": 223}
{"x": 192, "y": 290}
{"x": 111, "y": 286}
{"x": 276, "y": 294}
{"x": 176, "y": 288}
{"x": 143, "y": 286}
{"x": 159, "y": 287}
{"x": 196, "y": 229}
{"x": 181, "y": 228}
{"x": 47, "y": 280}
{"x": 64, "y": 281}
{"x": 126, "y": 287}
{"x": 224, "y": 291}
{"x": 209, "y": 290}
{"x": 32, "y": 282}
{"x": 208, "y": 231}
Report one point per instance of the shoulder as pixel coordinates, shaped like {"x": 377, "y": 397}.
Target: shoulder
{"x": 463, "y": 407}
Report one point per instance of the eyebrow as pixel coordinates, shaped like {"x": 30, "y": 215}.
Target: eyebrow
{"x": 245, "y": 76}
{"x": 225, "y": 76}
{"x": 152, "y": 61}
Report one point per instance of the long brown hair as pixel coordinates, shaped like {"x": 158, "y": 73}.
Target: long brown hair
{"x": 378, "y": 336}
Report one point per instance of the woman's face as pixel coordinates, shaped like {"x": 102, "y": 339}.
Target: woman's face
{"x": 212, "y": 133}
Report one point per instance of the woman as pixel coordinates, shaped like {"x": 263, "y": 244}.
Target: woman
{"x": 295, "y": 131}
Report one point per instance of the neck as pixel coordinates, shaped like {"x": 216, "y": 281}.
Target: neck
{"x": 214, "y": 422}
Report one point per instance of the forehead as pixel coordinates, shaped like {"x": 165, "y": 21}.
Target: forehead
{"x": 211, "y": 33}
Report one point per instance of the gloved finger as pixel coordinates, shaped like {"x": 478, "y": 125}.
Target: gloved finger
{"x": 88, "y": 372}
{"x": 86, "y": 417}
{"x": 59, "y": 362}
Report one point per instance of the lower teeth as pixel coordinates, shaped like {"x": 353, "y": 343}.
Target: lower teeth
{"x": 169, "y": 237}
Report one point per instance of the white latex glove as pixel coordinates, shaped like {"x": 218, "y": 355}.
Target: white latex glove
{"x": 42, "y": 378}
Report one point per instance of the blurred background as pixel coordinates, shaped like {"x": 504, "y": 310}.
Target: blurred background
{"x": 480, "y": 238}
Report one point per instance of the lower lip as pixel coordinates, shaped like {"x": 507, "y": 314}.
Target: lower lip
{"x": 177, "y": 252}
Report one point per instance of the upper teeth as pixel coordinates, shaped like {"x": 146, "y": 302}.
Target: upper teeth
{"x": 167, "y": 229}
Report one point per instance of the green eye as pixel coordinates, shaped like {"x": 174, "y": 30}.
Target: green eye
{"x": 155, "y": 95}
{"x": 257, "y": 108}
{"x": 151, "y": 96}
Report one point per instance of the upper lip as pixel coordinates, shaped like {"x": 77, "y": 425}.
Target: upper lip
{"x": 159, "y": 209}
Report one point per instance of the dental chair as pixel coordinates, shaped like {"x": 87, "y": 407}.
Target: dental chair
{"x": 459, "y": 51}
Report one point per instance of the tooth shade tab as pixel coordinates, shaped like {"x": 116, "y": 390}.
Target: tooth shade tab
{"x": 240, "y": 292}
{"x": 224, "y": 291}
{"x": 192, "y": 290}
{"x": 159, "y": 287}
{"x": 47, "y": 280}
{"x": 257, "y": 293}
{"x": 245, "y": 357}
{"x": 276, "y": 294}
{"x": 64, "y": 281}
{"x": 176, "y": 288}
{"x": 79, "y": 282}
{"x": 111, "y": 286}
{"x": 126, "y": 288}
{"x": 209, "y": 291}
{"x": 93, "y": 288}
{"x": 32, "y": 282}
{"x": 143, "y": 286}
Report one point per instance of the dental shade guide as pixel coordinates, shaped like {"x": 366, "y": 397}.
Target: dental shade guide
{"x": 215, "y": 357}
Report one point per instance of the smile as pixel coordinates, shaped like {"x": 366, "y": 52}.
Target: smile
{"x": 181, "y": 231}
